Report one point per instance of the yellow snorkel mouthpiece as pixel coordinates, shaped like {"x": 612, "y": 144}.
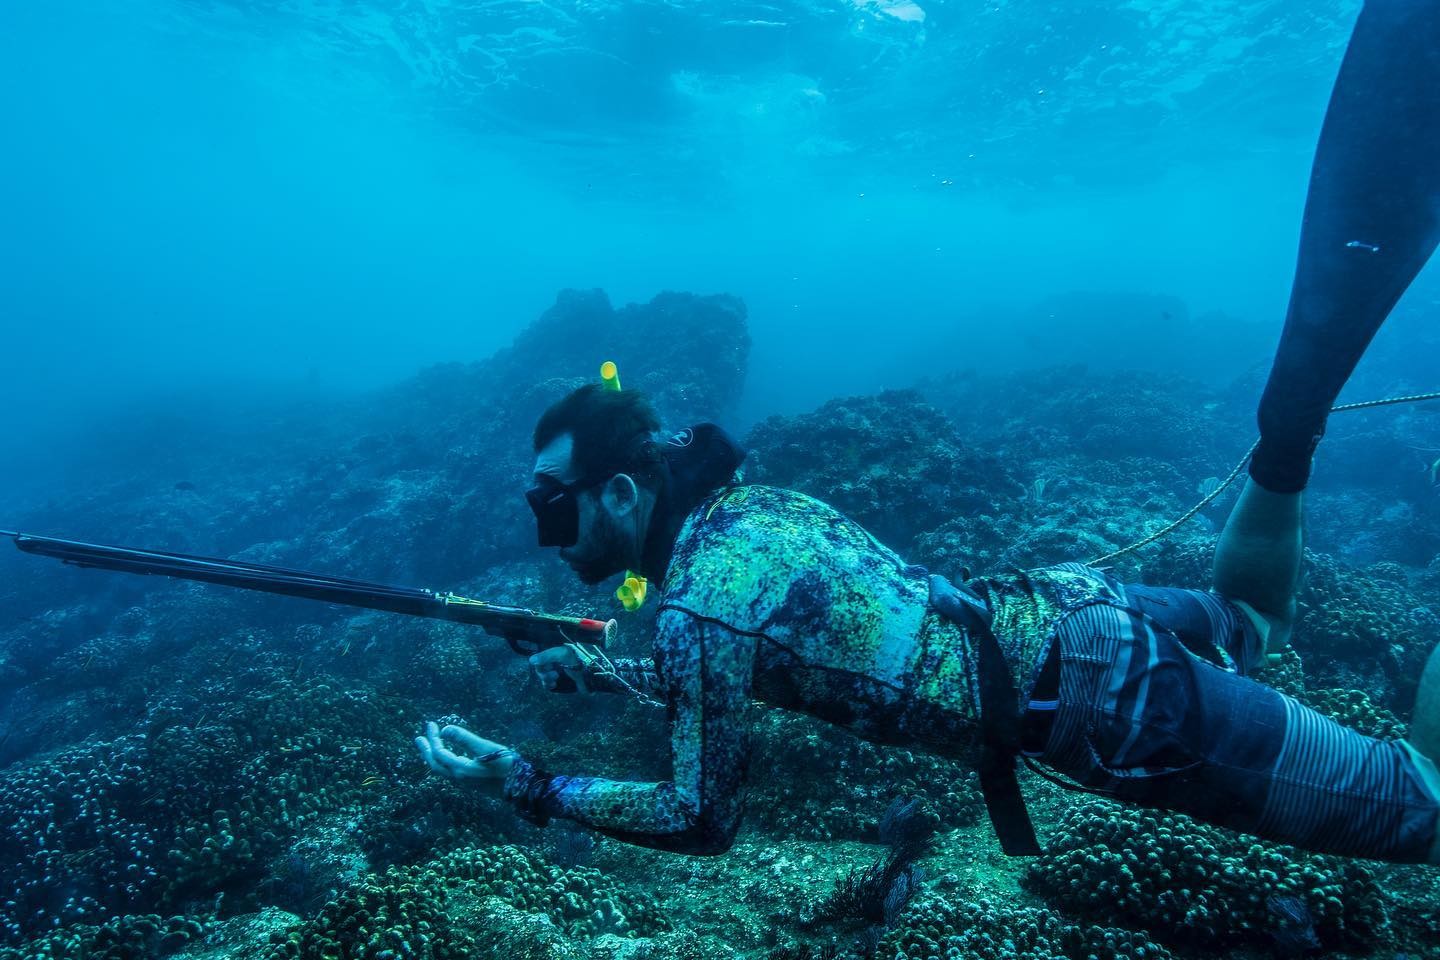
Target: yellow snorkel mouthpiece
{"x": 632, "y": 592}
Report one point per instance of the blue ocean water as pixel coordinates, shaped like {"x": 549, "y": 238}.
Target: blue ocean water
{"x": 255, "y": 196}
{"x": 289, "y": 282}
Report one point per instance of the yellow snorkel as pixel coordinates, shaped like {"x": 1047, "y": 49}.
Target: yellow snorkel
{"x": 632, "y": 592}
{"x": 610, "y": 374}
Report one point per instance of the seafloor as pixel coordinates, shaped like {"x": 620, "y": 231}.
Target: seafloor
{"x": 201, "y": 773}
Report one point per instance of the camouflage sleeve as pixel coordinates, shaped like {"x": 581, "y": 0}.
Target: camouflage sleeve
{"x": 705, "y": 673}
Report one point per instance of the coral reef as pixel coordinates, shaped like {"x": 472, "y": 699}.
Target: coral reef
{"x": 829, "y": 785}
{"x": 431, "y": 910}
{"x": 1188, "y": 883}
{"x": 936, "y": 927}
{"x": 1364, "y": 630}
{"x": 208, "y": 774}
{"x": 186, "y": 809}
{"x": 122, "y": 938}
{"x": 863, "y": 455}
{"x": 1099, "y": 419}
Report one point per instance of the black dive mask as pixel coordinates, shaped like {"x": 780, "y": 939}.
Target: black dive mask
{"x": 557, "y": 514}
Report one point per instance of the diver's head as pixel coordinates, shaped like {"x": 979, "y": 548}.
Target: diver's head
{"x": 597, "y": 473}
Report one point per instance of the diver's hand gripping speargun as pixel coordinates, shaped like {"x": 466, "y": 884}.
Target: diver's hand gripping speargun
{"x": 526, "y": 631}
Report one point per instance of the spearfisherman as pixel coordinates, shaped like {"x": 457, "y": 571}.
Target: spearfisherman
{"x": 1141, "y": 693}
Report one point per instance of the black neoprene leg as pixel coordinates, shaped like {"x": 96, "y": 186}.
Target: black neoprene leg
{"x": 1372, "y": 219}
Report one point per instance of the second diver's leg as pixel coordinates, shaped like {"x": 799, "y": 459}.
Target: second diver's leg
{"x": 1257, "y": 562}
{"x": 1372, "y": 220}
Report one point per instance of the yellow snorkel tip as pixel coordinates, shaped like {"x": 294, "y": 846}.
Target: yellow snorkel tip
{"x": 610, "y": 374}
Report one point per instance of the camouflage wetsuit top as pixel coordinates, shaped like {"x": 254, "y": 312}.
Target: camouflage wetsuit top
{"x": 773, "y": 595}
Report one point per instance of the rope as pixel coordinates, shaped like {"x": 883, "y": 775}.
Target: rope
{"x": 1224, "y": 484}
{"x": 590, "y": 654}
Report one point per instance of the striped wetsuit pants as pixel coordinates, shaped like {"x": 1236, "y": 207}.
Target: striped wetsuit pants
{"x": 1153, "y": 706}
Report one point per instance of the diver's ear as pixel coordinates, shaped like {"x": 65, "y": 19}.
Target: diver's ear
{"x": 621, "y": 494}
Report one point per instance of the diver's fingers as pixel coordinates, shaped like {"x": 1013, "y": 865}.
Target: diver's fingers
{"x": 444, "y": 760}
{"x": 431, "y": 736}
{"x": 547, "y": 674}
{"x": 428, "y": 755}
{"x": 578, "y": 675}
{"x": 454, "y": 765}
{"x": 553, "y": 663}
{"x": 471, "y": 741}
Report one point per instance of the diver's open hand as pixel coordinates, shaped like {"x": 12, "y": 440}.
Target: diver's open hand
{"x": 491, "y": 760}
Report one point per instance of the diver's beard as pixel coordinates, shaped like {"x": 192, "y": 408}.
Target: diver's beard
{"x": 605, "y": 559}
{"x": 592, "y": 573}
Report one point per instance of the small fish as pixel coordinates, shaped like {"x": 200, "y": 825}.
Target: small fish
{"x": 296, "y": 673}
{"x": 1435, "y": 472}
{"x": 369, "y": 780}
{"x": 1362, "y": 245}
{"x": 347, "y": 648}
{"x": 184, "y": 485}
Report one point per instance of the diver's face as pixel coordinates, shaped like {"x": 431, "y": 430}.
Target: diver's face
{"x": 600, "y": 552}
{"x": 602, "y": 539}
